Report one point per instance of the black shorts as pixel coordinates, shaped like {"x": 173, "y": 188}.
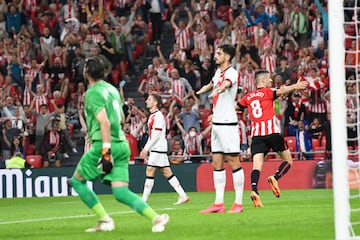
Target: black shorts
{"x": 263, "y": 144}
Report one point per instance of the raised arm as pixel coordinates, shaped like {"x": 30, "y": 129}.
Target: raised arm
{"x": 299, "y": 85}
{"x": 180, "y": 126}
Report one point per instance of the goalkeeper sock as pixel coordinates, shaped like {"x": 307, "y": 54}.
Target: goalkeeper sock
{"x": 88, "y": 197}
{"x": 255, "y": 175}
{"x": 282, "y": 170}
{"x": 124, "y": 195}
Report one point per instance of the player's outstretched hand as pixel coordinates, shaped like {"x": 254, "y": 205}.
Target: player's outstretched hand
{"x": 301, "y": 85}
{"x": 106, "y": 162}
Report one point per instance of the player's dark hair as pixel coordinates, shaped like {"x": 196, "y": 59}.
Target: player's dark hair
{"x": 157, "y": 99}
{"x": 228, "y": 49}
{"x": 95, "y": 68}
{"x": 260, "y": 73}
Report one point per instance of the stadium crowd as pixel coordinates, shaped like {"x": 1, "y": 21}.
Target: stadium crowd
{"x": 44, "y": 45}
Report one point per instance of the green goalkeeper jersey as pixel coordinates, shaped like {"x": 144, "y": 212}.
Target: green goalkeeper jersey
{"x": 103, "y": 95}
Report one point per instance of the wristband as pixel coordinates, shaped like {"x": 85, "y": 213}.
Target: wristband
{"x": 106, "y": 145}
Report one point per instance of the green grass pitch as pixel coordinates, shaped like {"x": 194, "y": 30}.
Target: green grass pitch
{"x": 298, "y": 214}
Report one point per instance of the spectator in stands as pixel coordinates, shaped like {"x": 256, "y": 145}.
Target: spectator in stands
{"x": 193, "y": 140}
{"x": 187, "y": 72}
{"x": 10, "y": 89}
{"x": 51, "y": 144}
{"x": 47, "y": 41}
{"x": 177, "y": 54}
{"x": 182, "y": 31}
{"x": 317, "y": 128}
{"x": 284, "y": 70}
{"x": 248, "y": 48}
{"x": 316, "y": 94}
{"x": 57, "y": 74}
{"x": 8, "y": 134}
{"x": 77, "y": 67}
{"x": 210, "y": 28}
{"x": 95, "y": 52}
{"x": 180, "y": 86}
{"x": 14, "y": 18}
{"x": 304, "y": 141}
{"x": 299, "y": 25}
{"x": 87, "y": 45}
{"x": 9, "y": 108}
{"x": 132, "y": 137}
{"x": 177, "y": 154}
{"x": 117, "y": 39}
{"x": 68, "y": 145}
{"x": 17, "y": 120}
{"x": 41, "y": 119}
{"x": 351, "y": 117}
{"x": 189, "y": 118}
{"x": 295, "y": 112}
{"x": 156, "y": 8}
{"x": 17, "y": 146}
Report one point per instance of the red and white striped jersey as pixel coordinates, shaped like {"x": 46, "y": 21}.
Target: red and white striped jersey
{"x": 324, "y": 64}
{"x": 268, "y": 62}
{"x": 224, "y": 103}
{"x": 178, "y": 88}
{"x": 317, "y": 27}
{"x": 135, "y": 120}
{"x": 260, "y": 104}
{"x": 96, "y": 37}
{"x": 193, "y": 144}
{"x": 270, "y": 9}
{"x": 286, "y": 16}
{"x": 266, "y": 41}
{"x": 29, "y": 4}
{"x": 202, "y": 10}
{"x": 200, "y": 39}
{"x": 247, "y": 81}
{"x": 69, "y": 11}
{"x": 182, "y": 37}
{"x": 40, "y": 100}
{"x": 27, "y": 97}
{"x": 180, "y": 55}
{"x": 316, "y": 91}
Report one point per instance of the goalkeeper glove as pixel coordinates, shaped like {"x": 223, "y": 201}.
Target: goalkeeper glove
{"x": 106, "y": 161}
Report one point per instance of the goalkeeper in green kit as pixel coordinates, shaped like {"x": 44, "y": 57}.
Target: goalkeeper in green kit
{"x": 109, "y": 153}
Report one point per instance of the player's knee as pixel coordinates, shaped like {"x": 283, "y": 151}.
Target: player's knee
{"x": 74, "y": 182}
{"x": 121, "y": 193}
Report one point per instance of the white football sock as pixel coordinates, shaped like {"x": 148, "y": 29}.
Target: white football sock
{"x": 219, "y": 184}
{"x": 148, "y": 186}
{"x": 238, "y": 179}
{"x": 174, "y": 182}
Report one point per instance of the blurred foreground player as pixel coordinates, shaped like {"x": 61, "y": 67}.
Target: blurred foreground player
{"x": 103, "y": 117}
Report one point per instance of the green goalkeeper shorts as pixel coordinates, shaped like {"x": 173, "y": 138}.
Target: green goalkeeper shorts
{"x": 88, "y": 164}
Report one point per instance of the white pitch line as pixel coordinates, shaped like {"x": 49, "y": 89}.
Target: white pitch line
{"x": 72, "y": 217}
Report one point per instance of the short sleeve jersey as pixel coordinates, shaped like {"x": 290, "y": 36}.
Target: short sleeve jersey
{"x": 224, "y": 103}
{"x": 156, "y": 122}
{"x": 260, "y": 104}
{"x": 103, "y": 95}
